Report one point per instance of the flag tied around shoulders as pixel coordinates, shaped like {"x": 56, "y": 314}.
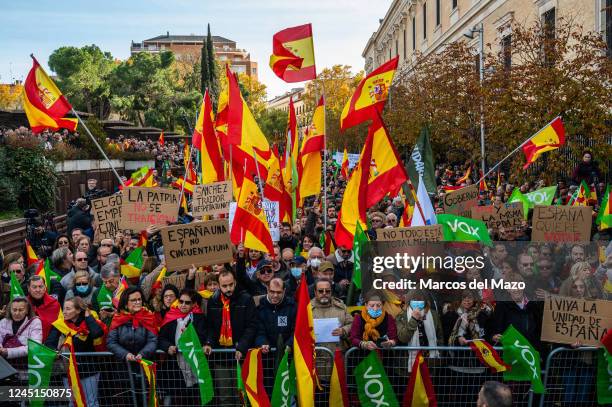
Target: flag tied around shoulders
{"x": 604, "y": 216}
{"x": 43, "y": 103}
{"x": 150, "y": 370}
{"x": 373, "y": 386}
{"x": 604, "y": 377}
{"x": 40, "y": 366}
{"x": 252, "y": 378}
{"x": 549, "y": 138}
{"x": 191, "y": 350}
{"x": 304, "y": 347}
{"x": 370, "y": 96}
{"x": 284, "y": 383}
{"x": 488, "y": 356}
{"x": 292, "y": 57}
{"x": 74, "y": 380}
{"x": 420, "y": 391}
{"x": 523, "y": 359}
{"x": 338, "y": 391}
{"x": 460, "y": 229}
{"x": 16, "y": 290}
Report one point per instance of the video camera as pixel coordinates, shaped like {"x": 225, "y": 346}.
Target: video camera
{"x": 40, "y": 231}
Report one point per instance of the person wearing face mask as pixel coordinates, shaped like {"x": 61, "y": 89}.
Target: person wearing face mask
{"x": 297, "y": 265}
{"x": 313, "y": 262}
{"x": 373, "y": 328}
{"x": 231, "y": 324}
{"x": 80, "y": 264}
{"x": 81, "y": 287}
{"x": 343, "y": 262}
{"x": 276, "y": 314}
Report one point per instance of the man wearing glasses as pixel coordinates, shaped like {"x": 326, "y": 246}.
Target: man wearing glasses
{"x": 276, "y": 316}
{"x": 262, "y": 277}
{"x": 80, "y": 263}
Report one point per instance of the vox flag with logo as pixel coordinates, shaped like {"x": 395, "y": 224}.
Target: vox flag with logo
{"x": 43, "y": 102}
{"x": 542, "y": 196}
{"x": 523, "y": 359}
{"x": 370, "y": 96}
{"x": 460, "y": 229}
{"x": 549, "y": 138}
{"x": 40, "y": 365}
{"x": 292, "y": 57}
{"x": 373, "y": 386}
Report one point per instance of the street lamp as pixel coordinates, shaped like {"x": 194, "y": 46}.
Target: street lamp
{"x": 469, "y": 33}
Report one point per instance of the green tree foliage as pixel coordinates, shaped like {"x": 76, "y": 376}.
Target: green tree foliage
{"x": 83, "y": 75}
{"x": 8, "y": 187}
{"x": 273, "y": 123}
{"x": 209, "y": 69}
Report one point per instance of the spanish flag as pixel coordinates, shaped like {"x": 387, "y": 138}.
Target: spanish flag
{"x": 488, "y": 356}
{"x": 78, "y": 394}
{"x": 604, "y": 216}
{"x": 310, "y": 155}
{"x": 304, "y": 348}
{"x": 43, "y": 103}
{"x": 406, "y": 218}
{"x": 338, "y": 392}
{"x": 157, "y": 284}
{"x": 150, "y": 370}
{"x": 46, "y": 272}
{"x": 143, "y": 239}
{"x": 274, "y": 189}
{"x": 583, "y": 195}
{"x": 250, "y": 225}
{"x": 292, "y": 57}
{"x": 465, "y": 177}
{"x": 551, "y": 137}
{"x": 370, "y": 96}
{"x": 160, "y": 141}
{"x": 420, "y": 391}
{"x": 353, "y": 208}
{"x": 327, "y": 243}
{"x": 206, "y": 141}
{"x": 142, "y": 177}
{"x": 252, "y": 377}
{"x": 344, "y": 169}
{"x": 387, "y": 172}
{"x": 189, "y": 185}
{"x": 123, "y": 285}
{"x": 482, "y": 185}
{"x": 31, "y": 257}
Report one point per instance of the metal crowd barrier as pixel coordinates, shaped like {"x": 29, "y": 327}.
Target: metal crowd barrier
{"x": 569, "y": 376}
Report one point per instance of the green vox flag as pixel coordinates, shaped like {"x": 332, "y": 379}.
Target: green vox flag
{"x": 51, "y": 275}
{"x": 240, "y": 385}
{"x": 360, "y": 239}
{"x": 604, "y": 377}
{"x": 421, "y": 162}
{"x": 284, "y": 383}
{"x": 40, "y": 365}
{"x": 517, "y": 196}
{"x": 16, "y": 290}
{"x": 523, "y": 359}
{"x": 373, "y": 386}
{"x": 191, "y": 350}
{"x": 542, "y": 196}
{"x": 460, "y": 229}
{"x": 105, "y": 298}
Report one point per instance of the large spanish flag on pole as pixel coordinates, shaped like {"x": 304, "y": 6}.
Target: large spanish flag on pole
{"x": 206, "y": 141}
{"x": 370, "y": 96}
{"x": 344, "y": 169}
{"x": 291, "y": 162}
{"x": 292, "y": 57}
{"x": 43, "y": 102}
{"x": 304, "y": 348}
{"x": 551, "y": 137}
{"x": 387, "y": 172}
{"x": 310, "y": 155}
{"x": 252, "y": 377}
{"x": 338, "y": 392}
{"x": 275, "y": 187}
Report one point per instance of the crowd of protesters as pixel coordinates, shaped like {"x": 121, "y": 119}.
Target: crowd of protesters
{"x": 250, "y": 302}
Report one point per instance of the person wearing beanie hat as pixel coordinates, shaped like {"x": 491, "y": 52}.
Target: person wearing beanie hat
{"x": 373, "y": 328}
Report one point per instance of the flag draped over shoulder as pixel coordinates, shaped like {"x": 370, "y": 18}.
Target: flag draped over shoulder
{"x": 370, "y": 96}
{"x": 252, "y": 377}
{"x": 523, "y": 359}
{"x": 420, "y": 391}
{"x": 549, "y": 138}
{"x": 310, "y": 158}
{"x": 488, "y": 356}
{"x": 304, "y": 348}
{"x": 369, "y": 373}
{"x": 338, "y": 392}
{"x": 292, "y": 57}
{"x": 205, "y": 140}
{"x": 44, "y": 104}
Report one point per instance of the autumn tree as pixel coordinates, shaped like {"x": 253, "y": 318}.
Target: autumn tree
{"x": 10, "y": 96}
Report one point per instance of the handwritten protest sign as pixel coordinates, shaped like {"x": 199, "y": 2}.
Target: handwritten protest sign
{"x": 561, "y": 224}
{"x": 271, "y": 208}
{"x": 106, "y": 214}
{"x": 461, "y": 201}
{"x": 211, "y": 199}
{"x": 142, "y": 207}
{"x": 504, "y": 216}
{"x": 198, "y": 243}
{"x": 415, "y": 234}
{"x": 567, "y": 320}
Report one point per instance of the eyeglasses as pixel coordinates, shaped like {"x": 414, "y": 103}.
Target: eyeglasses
{"x": 62, "y": 243}
{"x": 81, "y": 284}
{"x": 185, "y": 302}
{"x": 135, "y": 300}
{"x": 265, "y": 271}
{"x": 82, "y": 259}
{"x": 324, "y": 291}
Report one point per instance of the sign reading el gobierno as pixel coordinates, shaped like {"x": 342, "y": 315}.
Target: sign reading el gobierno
{"x": 197, "y": 243}
{"x": 106, "y": 213}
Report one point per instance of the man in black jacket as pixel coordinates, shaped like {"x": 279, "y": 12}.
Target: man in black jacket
{"x": 79, "y": 217}
{"x": 276, "y": 316}
{"x": 231, "y": 324}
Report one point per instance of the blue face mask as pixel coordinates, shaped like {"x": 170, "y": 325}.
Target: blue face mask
{"x": 82, "y": 289}
{"x": 420, "y": 305}
{"x": 296, "y": 272}
{"x": 374, "y": 313}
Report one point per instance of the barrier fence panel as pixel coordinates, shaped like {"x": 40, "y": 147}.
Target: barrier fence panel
{"x": 456, "y": 374}
{"x": 570, "y": 378}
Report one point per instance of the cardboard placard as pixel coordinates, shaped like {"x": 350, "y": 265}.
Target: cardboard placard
{"x": 272, "y": 210}
{"x": 106, "y": 214}
{"x": 414, "y": 234}
{"x": 561, "y": 223}
{"x": 567, "y": 320}
{"x": 460, "y": 202}
{"x": 142, "y": 207}
{"x": 505, "y": 216}
{"x": 198, "y": 243}
{"x": 211, "y": 199}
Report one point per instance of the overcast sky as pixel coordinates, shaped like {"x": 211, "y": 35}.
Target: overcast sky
{"x": 341, "y": 28}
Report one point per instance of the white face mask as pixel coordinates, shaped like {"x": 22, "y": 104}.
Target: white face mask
{"x": 315, "y": 263}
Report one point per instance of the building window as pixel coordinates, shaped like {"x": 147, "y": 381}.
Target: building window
{"x": 506, "y": 46}
{"x": 453, "y": 4}
{"x": 437, "y": 13}
{"x": 608, "y": 17}
{"x": 396, "y": 47}
{"x": 425, "y": 20}
{"x": 548, "y": 26}
{"x": 414, "y": 33}
{"x": 404, "y": 44}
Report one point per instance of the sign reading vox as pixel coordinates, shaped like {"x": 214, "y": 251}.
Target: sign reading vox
{"x": 107, "y": 214}
{"x": 142, "y": 207}
{"x": 198, "y": 243}
{"x": 211, "y": 199}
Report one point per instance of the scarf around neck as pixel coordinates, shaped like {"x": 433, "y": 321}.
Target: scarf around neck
{"x": 370, "y": 333}
{"x": 225, "y": 336}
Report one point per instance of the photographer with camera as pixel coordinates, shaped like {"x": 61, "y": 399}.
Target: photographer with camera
{"x": 79, "y": 217}
{"x": 41, "y": 234}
